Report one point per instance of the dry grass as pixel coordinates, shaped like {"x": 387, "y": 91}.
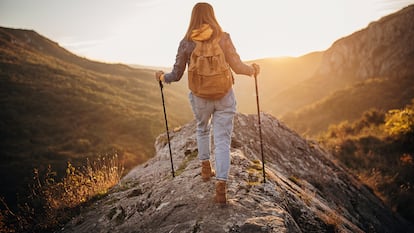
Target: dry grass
{"x": 80, "y": 185}
{"x": 52, "y": 202}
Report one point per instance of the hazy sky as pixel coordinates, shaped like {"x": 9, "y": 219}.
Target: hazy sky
{"x": 147, "y": 32}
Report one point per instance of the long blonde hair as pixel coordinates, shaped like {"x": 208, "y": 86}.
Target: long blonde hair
{"x": 203, "y": 13}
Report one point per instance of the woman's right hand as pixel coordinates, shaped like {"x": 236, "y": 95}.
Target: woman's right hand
{"x": 159, "y": 76}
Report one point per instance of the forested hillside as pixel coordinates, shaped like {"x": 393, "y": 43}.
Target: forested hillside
{"x": 58, "y": 107}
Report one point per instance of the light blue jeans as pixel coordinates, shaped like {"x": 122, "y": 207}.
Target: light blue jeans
{"x": 220, "y": 114}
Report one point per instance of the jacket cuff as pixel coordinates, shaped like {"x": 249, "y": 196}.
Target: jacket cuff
{"x": 167, "y": 78}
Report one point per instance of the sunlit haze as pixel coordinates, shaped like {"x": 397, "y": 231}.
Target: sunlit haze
{"x": 147, "y": 32}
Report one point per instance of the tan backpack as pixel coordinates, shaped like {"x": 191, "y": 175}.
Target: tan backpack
{"x": 209, "y": 75}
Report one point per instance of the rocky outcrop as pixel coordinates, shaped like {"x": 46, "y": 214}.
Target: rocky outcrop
{"x": 384, "y": 49}
{"x": 305, "y": 191}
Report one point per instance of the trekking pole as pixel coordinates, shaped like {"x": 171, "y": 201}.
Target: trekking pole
{"x": 260, "y": 128}
{"x": 166, "y": 126}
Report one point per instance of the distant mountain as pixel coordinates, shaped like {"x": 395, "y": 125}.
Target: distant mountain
{"x": 350, "y": 103}
{"x": 58, "y": 107}
{"x": 277, "y": 75}
{"x": 372, "y": 68}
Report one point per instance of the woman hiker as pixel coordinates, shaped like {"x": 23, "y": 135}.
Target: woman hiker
{"x": 204, "y": 27}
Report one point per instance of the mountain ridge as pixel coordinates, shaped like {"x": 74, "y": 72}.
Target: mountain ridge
{"x": 305, "y": 190}
{"x": 364, "y": 53}
{"x": 382, "y": 50}
{"x": 33, "y": 41}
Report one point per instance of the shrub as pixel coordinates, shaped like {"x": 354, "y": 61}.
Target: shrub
{"x": 52, "y": 202}
{"x": 379, "y": 148}
{"x": 400, "y": 122}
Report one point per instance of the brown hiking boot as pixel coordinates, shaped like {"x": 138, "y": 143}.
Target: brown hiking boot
{"x": 206, "y": 171}
{"x": 220, "y": 197}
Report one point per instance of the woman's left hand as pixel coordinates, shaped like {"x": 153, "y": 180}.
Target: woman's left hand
{"x": 256, "y": 68}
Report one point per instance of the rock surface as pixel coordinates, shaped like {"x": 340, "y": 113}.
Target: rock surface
{"x": 305, "y": 190}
